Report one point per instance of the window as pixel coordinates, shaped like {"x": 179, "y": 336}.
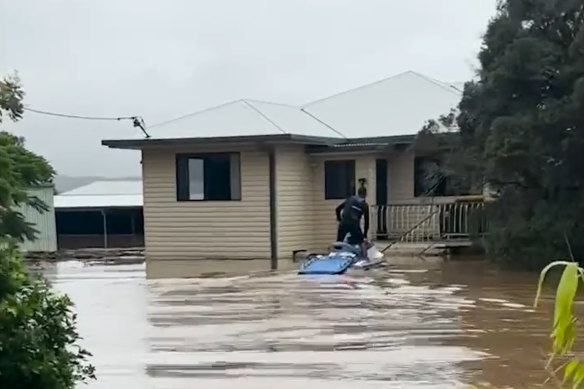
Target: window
{"x": 430, "y": 179}
{"x": 214, "y": 177}
{"x": 339, "y": 179}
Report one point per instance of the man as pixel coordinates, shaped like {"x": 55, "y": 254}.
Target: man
{"x": 349, "y": 214}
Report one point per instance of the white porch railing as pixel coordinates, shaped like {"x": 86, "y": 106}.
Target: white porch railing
{"x": 428, "y": 222}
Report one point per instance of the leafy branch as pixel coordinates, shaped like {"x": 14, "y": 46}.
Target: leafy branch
{"x": 564, "y": 324}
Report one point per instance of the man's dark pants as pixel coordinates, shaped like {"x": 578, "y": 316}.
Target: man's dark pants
{"x": 352, "y": 228}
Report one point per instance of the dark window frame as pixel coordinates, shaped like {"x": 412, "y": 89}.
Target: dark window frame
{"x": 182, "y": 176}
{"x": 329, "y": 192}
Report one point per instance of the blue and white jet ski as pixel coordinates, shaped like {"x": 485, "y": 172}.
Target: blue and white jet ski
{"x": 341, "y": 257}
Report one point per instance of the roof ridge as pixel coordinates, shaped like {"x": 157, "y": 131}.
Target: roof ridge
{"x": 196, "y": 113}
{"x": 358, "y": 87}
{"x": 296, "y": 107}
{"x": 420, "y": 75}
{"x": 263, "y": 115}
{"x": 271, "y": 102}
{"x": 441, "y": 84}
{"x": 314, "y": 117}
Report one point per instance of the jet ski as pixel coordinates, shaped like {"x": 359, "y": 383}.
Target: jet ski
{"x": 341, "y": 257}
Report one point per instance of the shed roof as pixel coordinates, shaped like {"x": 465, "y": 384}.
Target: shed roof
{"x": 102, "y": 194}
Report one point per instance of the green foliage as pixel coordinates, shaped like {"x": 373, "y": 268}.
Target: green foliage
{"x": 38, "y": 340}
{"x": 37, "y": 331}
{"x": 564, "y": 324}
{"x": 20, "y": 169}
{"x": 11, "y": 95}
{"x": 521, "y": 129}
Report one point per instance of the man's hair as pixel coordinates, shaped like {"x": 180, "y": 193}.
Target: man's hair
{"x": 362, "y": 192}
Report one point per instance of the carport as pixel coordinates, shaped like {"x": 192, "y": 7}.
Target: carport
{"x": 103, "y": 214}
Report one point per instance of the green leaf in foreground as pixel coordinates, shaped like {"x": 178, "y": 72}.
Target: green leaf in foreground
{"x": 578, "y": 376}
{"x": 564, "y": 325}
{"x": 570, "y": 369}
{"x": 564, "y": 321}
{"x": 542, "y": 278}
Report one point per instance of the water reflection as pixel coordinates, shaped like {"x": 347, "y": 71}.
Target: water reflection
{"x": 398, "y": 327}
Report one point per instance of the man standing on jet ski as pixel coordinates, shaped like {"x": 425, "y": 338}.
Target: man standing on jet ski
{"x": 349, "y": 214}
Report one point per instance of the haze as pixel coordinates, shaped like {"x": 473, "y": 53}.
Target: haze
{"x": 162, "y": 59}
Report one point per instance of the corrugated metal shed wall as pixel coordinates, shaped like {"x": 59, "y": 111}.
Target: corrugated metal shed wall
{"x": 44, "y": 222}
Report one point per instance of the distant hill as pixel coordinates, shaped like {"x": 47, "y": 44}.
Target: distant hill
{"x": 67, "y": 183}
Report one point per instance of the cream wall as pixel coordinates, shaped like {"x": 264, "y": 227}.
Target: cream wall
{"x": 400, "y": 170}
{"x": 241, "y": 229}
{"x": 294, "y": 204}
{"x": 205, "y": 229}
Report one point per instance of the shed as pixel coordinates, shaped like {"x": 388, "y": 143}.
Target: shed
{"x": 103, "y": 214}
{"x": 43, "y": 222}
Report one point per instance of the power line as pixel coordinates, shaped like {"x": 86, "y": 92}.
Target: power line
{"x": 64, "y": 115}
{"x": 136, "y": 120}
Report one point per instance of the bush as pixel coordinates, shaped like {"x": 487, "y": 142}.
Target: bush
{"x": 37, "y": 331}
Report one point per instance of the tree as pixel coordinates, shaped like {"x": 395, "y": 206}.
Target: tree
{"x": 38, "y": 340}
{"x": 521, "y": 129}
{"x": 19, "y": 168}
{"x": 37, "y": 331}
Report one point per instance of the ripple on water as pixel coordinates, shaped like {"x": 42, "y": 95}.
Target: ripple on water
{"x": 383, "y": 330}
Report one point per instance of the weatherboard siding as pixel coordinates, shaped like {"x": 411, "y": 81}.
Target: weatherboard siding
{"x": 294, "y": 201}
{"x": 206, "y": 229}
{"x": 241, "y": 229}
{"x": 400, "y": 170}
{"x": 324, "y": 219}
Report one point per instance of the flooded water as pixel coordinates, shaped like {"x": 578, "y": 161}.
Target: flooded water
{"x": 439, "y": 326}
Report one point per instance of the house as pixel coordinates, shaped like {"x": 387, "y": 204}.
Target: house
{"x": 259, "y": 180}
{"x": 102, "y": 214}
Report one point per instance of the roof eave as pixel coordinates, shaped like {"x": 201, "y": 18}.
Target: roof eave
{"x": 392, "y": 139}
{"x": 366, "y": 144}
{"x": 280, "y": 138}
{"x": 325, "y": 142}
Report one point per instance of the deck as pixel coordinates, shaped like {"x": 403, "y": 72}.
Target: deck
{"x": 425, "y": 229}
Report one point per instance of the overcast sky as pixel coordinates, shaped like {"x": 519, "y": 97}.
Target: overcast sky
{"x": 164, "y": 58}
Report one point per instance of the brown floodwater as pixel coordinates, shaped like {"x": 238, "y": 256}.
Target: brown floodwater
{"x": 412, "y": 325}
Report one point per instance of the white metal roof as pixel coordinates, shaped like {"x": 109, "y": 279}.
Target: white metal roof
{"x": 243, "y": 118}
{"x": 399, "y": 105}
{"x": 102, "y": 194}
